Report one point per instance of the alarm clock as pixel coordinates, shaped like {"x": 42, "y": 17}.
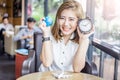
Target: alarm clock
{"x": 85, "y": 25}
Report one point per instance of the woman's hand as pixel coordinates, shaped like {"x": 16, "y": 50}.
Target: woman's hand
{"x": 84, "y": 36}
{"x": 46, "y": 30}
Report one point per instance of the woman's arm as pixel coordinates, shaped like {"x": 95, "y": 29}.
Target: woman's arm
{"x": 79, "y": 58}
{"x": 46, "y": 55}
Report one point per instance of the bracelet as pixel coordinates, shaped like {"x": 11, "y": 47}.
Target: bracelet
{"x": 46, "y": 39}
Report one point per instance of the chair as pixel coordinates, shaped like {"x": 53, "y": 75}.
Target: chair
{"x": 9, "y": 44}
{"x": 1, "y": 42}
{"x": 33, "y": 62}
{"x": 90, "y": 68}
{"x": 33, "y": 56}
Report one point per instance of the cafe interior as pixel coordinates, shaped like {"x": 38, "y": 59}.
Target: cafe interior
{"x": 104, "y": 48}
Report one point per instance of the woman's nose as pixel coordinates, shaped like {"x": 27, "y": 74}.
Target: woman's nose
{"x": 66, "y": 23}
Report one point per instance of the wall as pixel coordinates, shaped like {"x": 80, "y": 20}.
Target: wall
{"x": 10, "y": 10}
{"x": 2, "y": 9}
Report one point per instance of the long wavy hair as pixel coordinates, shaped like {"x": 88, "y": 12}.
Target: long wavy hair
{"x": 74, "y": 6}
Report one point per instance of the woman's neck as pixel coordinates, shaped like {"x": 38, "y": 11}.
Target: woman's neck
{"x": 66, "y": 39}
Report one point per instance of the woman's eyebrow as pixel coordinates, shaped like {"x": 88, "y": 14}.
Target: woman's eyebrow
{"x": 73, "y": 18}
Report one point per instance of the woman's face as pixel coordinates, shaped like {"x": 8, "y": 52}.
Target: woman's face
{"x": 68, "y": 22}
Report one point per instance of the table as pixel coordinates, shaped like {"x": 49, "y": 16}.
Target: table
{"x": 49, "y": 76}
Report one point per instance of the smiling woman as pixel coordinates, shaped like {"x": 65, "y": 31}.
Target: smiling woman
{"x": 66, "y": 41}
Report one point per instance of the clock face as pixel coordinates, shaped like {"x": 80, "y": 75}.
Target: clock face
{"x": 85, "y": 25}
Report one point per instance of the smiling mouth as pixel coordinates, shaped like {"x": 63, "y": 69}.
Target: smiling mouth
{"x": 66, "y": 29}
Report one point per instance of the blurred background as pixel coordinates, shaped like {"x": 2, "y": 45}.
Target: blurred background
{"x": 105, "y": 15}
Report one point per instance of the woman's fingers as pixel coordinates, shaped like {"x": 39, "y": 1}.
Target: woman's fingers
{"x": 82, "y": 35}
{"x": 46, "y": 30}
{"x": 42, "y": 25}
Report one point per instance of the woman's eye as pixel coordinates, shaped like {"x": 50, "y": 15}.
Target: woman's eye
{"x": 71, "y": 19}
{"x": 62, "y": 18}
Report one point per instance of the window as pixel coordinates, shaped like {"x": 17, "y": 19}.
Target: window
{"x": 35, "y": 8}
{"x": 107, "y": 21}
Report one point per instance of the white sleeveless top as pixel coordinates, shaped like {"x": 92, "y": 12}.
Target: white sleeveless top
{"x": 63, "y": 56}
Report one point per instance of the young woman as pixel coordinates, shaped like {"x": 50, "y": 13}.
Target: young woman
{"x": 64, "y": 47}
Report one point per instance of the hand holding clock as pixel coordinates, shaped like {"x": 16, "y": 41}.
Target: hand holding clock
{"x": 85, "y": 28}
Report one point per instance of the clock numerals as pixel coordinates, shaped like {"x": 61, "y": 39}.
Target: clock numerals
{"x": 85, "y": 25}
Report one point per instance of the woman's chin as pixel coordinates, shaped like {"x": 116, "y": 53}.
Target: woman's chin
{"x": 66, "y": 33}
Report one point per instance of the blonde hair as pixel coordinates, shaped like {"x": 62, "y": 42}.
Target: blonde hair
{"x": 77, "y": 8}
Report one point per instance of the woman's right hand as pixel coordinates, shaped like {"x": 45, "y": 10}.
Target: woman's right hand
{"x": 46, "y": 30}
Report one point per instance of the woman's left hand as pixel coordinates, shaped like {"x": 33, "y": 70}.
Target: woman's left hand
{"x": 84, "y": 36}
